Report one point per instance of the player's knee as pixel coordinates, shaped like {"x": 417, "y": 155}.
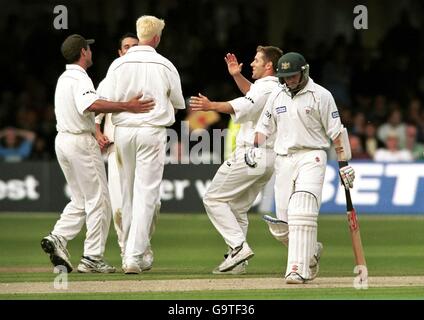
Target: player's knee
{"x": 303, "y": 209}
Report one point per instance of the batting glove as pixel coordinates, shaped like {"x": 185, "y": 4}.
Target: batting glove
{"x": 348, "y": 175}
{"x": 252, "y": 156}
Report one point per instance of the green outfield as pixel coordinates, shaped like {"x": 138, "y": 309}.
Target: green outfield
{"x": 188, "y": 247}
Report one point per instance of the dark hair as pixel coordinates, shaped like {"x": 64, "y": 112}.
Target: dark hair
{"x": 271, "y": 53}
{"x": 127, "y": 35}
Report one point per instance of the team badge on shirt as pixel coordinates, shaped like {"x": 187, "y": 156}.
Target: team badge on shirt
{"x": 281, "y": 109}
{"x": 335, "y": 114}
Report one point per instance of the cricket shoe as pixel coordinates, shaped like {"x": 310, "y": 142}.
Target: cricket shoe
{"x": 136, "y": 266}
{"x": 59, "y": 255}
{"x": 236, "y": 256}
{"x": 314, "y": 263}
{"x": 90, "y": 265}
{"x": 147, "y": 259}
{"x": 238, "y": 269}
{"x": 295, "y": 278}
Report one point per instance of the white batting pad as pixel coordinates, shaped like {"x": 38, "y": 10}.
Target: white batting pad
{"x": 303, "y": 216}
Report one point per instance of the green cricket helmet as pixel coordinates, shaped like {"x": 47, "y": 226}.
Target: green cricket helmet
{"x": 290, "y": 64}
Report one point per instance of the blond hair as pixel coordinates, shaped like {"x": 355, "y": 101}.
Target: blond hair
{"x": 148, "y": 27}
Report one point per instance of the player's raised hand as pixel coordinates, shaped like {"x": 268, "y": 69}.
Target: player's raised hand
{"x": 234, "y": 67}
{"x": 200, "y": 103}
{"x": 141, "y": 106}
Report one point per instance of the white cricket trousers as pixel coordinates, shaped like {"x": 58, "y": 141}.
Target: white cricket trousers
{"x": 115, "y": 192}
{"x": 232, "y": 193}
{"x": 82, "y": 164}
{"x": 140, "y": 154}
{"x": 301, "y": 171}
{"x": 298, "y": 191}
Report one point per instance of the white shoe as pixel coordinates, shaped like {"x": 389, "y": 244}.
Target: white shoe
{"x": 131, "y": 267}
{"x": 294, "y": 278}
{"x": 89, "y": 265}
{"x": 136, "y": 266}
{"x": 238, "y": 269}
{"x": 59, "y": 255}
{"x": 237, "y": 256}
{"x": 147, "y": 259}
{"x": 314, "y": 263}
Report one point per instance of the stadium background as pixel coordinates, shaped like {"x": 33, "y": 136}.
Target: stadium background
{"x": 370, "y": 73}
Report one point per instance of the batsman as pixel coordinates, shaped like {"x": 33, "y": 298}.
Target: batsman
{"x": 305, "y": 118}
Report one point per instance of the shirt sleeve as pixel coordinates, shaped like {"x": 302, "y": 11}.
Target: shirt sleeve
{"x": 267, "y": 124}
{"x": 107, "y": 87}
{"x": 330, "y": 116}
{"x": 84, "y": 94}
{"x": 248, "y": 108}
{"x": 175, "y": 92}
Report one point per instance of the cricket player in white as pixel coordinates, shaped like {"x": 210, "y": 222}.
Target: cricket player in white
{"x": 79, "y": 156}
{"x": 140, "y": 140}
{"x": 106, "y": 141}
{"x": 236, "y": 185}
{"x": 305, "y": 117}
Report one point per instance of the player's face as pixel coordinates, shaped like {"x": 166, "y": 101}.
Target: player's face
{"x": 258, "y": 66}
{"x": 293, "y": 81}
{"x": 127, "y": 43}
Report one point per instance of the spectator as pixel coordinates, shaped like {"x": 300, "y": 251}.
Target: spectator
{"x": 392, "y": 152}
{"x": 16, "y": 144}
{"x": 371, "y": 142}
{"x": 357, "y": 149}
{"x": 416, "y": 148}
{"x": 393, "y": 124}
{"x": 359, "y": 122}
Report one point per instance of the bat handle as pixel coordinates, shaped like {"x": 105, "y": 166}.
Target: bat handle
{"x": 349, "y": 205}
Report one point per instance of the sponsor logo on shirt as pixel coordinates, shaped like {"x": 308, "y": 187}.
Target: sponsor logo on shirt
{"x": 281, "y": 109}
{"x": 335, "y": 114}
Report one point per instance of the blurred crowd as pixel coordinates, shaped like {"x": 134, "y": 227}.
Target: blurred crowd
{"x": 379, "y": 91}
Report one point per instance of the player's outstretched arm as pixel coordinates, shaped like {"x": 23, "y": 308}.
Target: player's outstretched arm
{"x": 202, "y": 103}
{"x": 234, "y": 69}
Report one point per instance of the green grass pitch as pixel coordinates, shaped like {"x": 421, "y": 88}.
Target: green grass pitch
{"x": 188, "y": 247}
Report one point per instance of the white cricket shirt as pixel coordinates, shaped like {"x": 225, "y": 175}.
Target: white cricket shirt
{"x": 248, "y": 109}
{"x": 143, "y": 70}
{"x": 74, "y": 94}
{"x": 306, "y": 121}
{"x": 109, "y": 128}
